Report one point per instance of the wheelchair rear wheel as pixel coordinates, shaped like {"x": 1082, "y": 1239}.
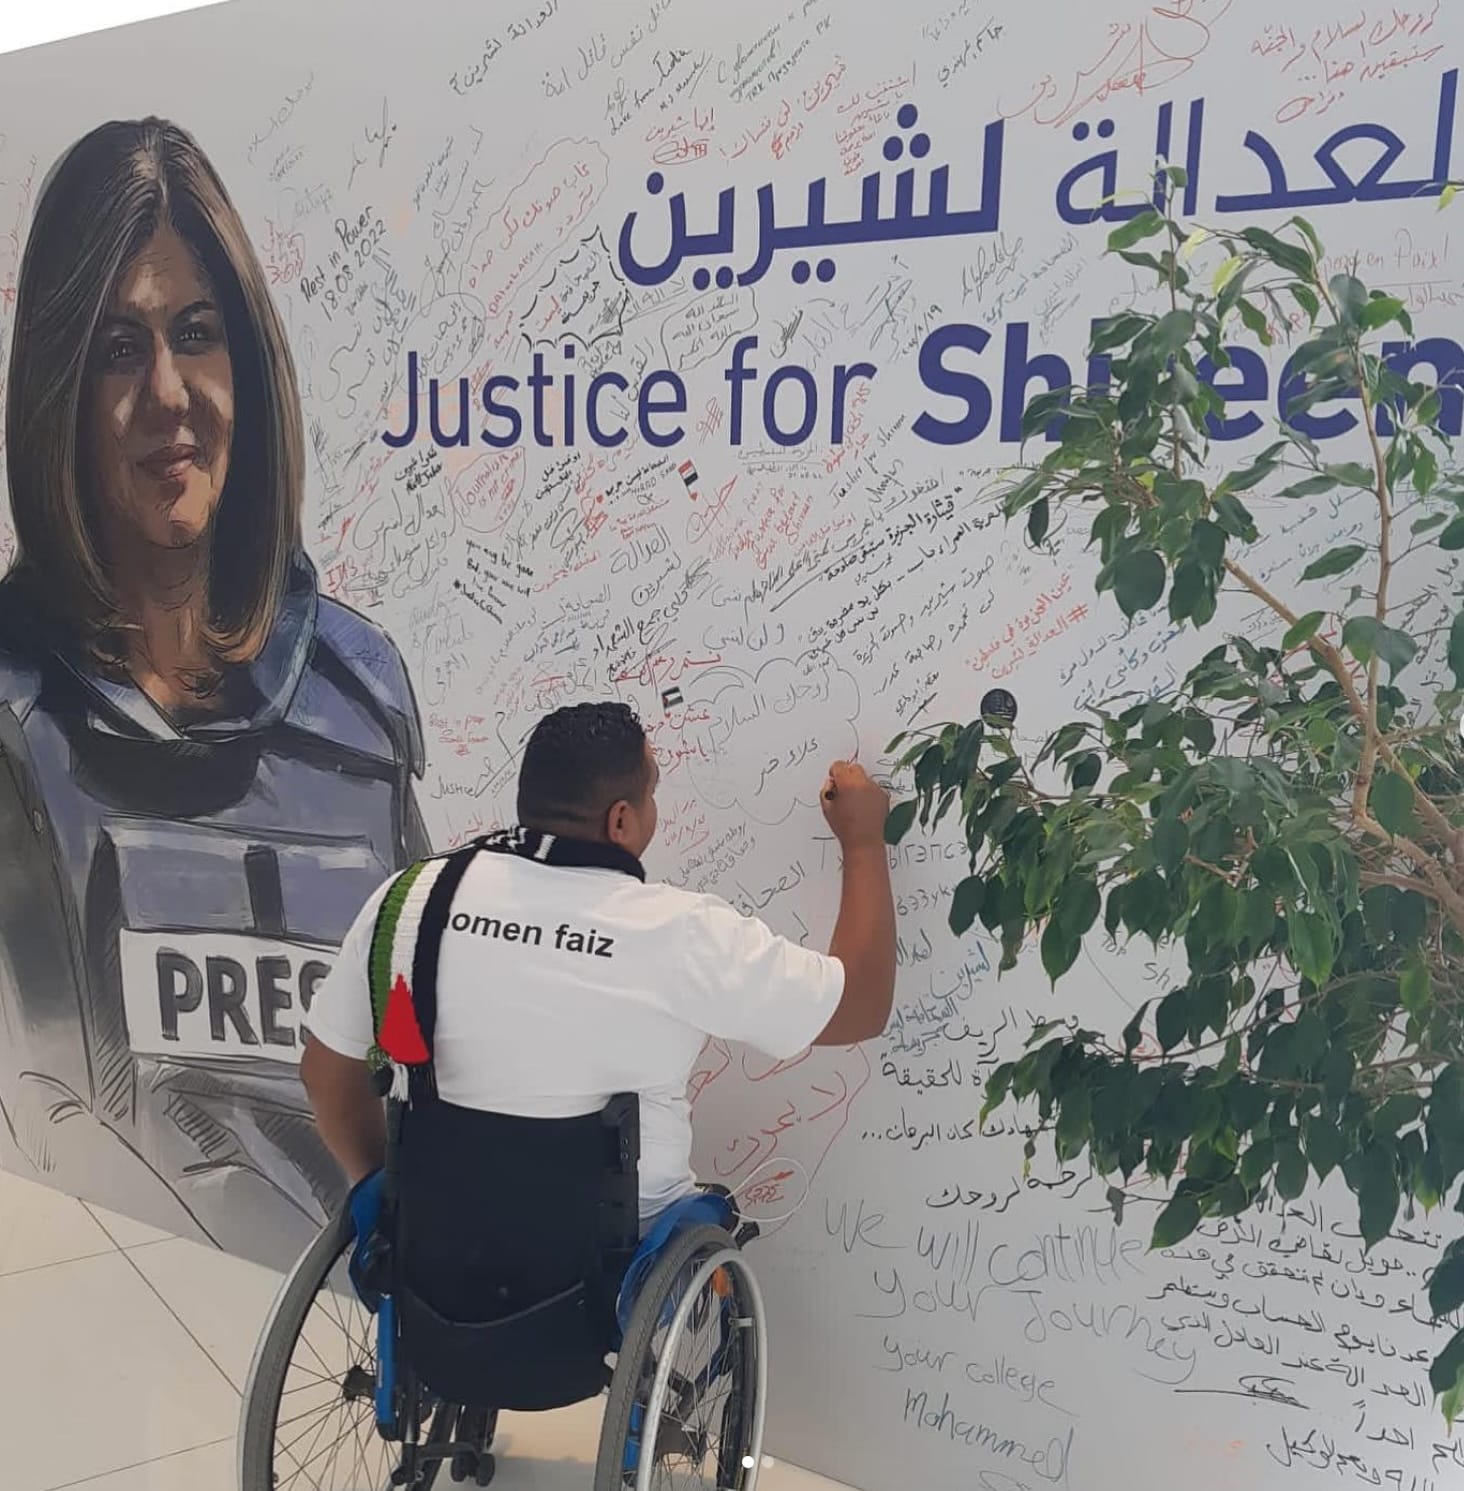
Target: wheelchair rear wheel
{"x": 309, "y": 1420}
{"x": 687, "y": 1401}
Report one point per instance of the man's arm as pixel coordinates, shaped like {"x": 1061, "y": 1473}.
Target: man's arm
{"x": 864, "y": 934}
{"x": 350, "y": 1116}
{"x": 339, "y": 1031}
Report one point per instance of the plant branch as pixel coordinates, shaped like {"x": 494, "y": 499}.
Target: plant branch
{"x": 1444, "y": 891}
{"x": 1175, "y": 441}
{"x": 1399, "y": 882}
{"x": 1230, "y": 877}
{"x": 1371, "y": 739}
{"x": 1336, "y": 664}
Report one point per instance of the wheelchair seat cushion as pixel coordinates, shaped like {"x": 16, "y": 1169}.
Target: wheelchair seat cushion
{"x": 705, "y": 1209}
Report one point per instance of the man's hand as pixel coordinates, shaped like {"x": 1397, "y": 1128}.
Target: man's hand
{"x": 855, "y": 805}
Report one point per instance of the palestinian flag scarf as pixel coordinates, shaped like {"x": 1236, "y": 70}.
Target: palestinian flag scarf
{"x": 407, "y": 940}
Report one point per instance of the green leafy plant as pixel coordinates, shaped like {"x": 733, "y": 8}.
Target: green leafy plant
{"x": 1288, "y": 816}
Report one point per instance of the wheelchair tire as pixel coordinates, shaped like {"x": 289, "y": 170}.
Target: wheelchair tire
{"x": 686, "y": 1259}
{"x": 270, "y": 1369}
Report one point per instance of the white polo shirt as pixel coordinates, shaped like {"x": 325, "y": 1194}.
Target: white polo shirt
{"x": 558, "y": 988}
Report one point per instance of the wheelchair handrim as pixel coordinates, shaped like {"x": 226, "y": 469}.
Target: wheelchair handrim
{"x": 283, "y": 1355}
{"x": 340, "y": 1232}
{"x": 731, "y": 1259}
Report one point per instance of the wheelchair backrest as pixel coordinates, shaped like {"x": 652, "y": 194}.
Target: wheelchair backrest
{"x": 511, "y": 1239}
{"x": 508, "y": 1236}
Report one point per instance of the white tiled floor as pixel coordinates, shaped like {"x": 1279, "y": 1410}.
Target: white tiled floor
{"x": 123, "y": 1352}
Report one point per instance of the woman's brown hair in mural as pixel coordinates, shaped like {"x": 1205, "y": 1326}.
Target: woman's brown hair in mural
{"x": 155, "y": 446}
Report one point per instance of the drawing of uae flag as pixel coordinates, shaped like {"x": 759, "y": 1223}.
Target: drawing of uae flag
{"x": 689, "y": 476}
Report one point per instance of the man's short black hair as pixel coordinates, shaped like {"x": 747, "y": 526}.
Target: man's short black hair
{"x": 579, "y": 762}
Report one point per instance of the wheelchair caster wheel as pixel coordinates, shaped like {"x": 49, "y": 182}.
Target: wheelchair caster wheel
{"x": 479, "y": 1469}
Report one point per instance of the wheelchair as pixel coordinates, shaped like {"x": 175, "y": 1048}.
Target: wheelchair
{"x": 496, "y": 1263}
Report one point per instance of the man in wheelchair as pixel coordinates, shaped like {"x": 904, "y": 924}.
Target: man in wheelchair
{"x": 524, "y": 1205}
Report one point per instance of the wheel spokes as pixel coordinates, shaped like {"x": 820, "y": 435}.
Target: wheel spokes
{"x": 325, "y": 1434}
{"x": 710, "y": 1370}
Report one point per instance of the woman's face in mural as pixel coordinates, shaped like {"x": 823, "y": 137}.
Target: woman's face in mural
{"x": 161, "y": 400}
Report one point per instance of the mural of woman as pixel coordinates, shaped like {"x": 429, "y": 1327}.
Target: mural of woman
{"x": 205, "y": 765}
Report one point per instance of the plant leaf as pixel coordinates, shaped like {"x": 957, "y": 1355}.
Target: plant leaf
{"x": 1074, "y": 1123}
{"x": 901, "y": 816}
{"x": 1391, "y": 801}
{"x": 1290, "y": 1173}
{"x": 966, "y": 903}
{"x": 1350, "y": 294}
{"x": 1117, "y": 330}
{"x": 1260, "y": 468}
{"x": 1304, "y": 630}
{"x": 1171, "y": 1019}
{"x": 1174, "y": 329}
{"x": 1146, "y": 225}
{"x": 1397, "y": 1112}
{"x": 1133, "y": 1032}
{"x": 1446, "y": 1287}
{"x": 1325, "y": 1146}
{"x": 1313, "y": 486}
{"x": 1396, "y": 648}
{"x": 1377, "y": 1194}
{"x": 1171, "y": 841}
{"x": 1175, "y": 1222}
{"x": 1078, "y": 904}
{"x": 1038, "y": 520}
{"x": 1415, "y": 986}
{"x": 998, "y": 1084}
{"x": 1446, "y": 1374}
{"x": 1059, "y": 950}
{"x": 1334, "y": 562}
{"x": 1233, "y": 517}
{"x": 1366, "y": 637}
{"x": 1138, "y": 581}
{"x": 1225, "y": 273}
{"x": 1288, "y": 256}
{"x": 1312, "y": 949}
{"x": 1425, "y": 471}
{"x": 1451, "y": 1401}
{"x": 1255, "y": 321}
{"x": 1306, "y": 298}
{"x": 1354, "y": 474}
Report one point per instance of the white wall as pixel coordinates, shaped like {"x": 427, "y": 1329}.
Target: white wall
{"x": 921, "y": 1272}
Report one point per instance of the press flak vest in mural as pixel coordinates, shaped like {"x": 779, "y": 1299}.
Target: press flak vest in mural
{"x": 170, "y": 898}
